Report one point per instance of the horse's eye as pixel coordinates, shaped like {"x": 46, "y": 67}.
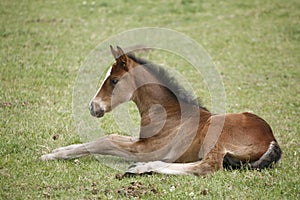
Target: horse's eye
{"x": 114, "y": 81}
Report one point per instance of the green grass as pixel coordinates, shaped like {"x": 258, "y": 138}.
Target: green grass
{"x": 256, "y": 48}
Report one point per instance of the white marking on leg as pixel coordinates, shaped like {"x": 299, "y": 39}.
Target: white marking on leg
{"x": 67, "y": 152}
{"x": 161, "y": 167}
{"x": 50, "y": 156}
{"x": 66, "y": 148}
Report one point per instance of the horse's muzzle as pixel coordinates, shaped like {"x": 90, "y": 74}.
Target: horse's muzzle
{"x": 96, "y": 110}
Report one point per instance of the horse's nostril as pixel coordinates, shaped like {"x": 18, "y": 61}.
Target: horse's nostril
{"x": 91, "y": 107}
{"x": 96, "y": 110}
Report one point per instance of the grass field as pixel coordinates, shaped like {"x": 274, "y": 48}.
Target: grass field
{"x": 256, "y": 48}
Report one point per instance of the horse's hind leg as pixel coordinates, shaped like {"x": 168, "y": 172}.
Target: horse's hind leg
{"x": 212, "y": 162}
{"x": 161, "y": 167}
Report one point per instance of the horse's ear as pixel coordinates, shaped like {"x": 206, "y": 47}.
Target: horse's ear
{"x": 121, "y": 52}
{"x": 114, "y": 53}
{"x": 122, "y": 58}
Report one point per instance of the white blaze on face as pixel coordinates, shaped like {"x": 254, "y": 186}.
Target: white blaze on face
{"x": 106, "y": 76}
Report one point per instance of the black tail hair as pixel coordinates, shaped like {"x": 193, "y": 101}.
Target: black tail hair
{"x": 272, "y": 156}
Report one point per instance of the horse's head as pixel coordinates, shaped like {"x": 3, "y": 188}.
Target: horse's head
{"x": 117, "y": 87}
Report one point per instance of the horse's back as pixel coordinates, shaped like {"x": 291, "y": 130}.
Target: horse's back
{"x": 248, "y": 127}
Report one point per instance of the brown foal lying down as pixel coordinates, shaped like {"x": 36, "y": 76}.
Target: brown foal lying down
{"x": 177, "y": 135}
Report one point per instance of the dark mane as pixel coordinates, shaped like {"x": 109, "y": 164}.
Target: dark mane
{"x": 180, "y": 92}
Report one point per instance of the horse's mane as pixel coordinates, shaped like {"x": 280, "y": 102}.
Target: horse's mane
{"x": 162, "y": 74}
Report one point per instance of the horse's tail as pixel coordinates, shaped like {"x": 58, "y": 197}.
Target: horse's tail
{"x": 272, "y": 155}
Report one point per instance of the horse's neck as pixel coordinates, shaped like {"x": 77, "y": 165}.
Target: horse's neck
{"x": 153, "y": 98}
{"x": 158, "y": 108}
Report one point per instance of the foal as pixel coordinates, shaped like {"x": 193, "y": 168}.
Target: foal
{"x": 177, "y": 136}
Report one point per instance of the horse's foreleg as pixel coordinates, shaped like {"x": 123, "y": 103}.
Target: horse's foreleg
{"x": 108, "y": 145}
{"x": 68, "y": 152}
